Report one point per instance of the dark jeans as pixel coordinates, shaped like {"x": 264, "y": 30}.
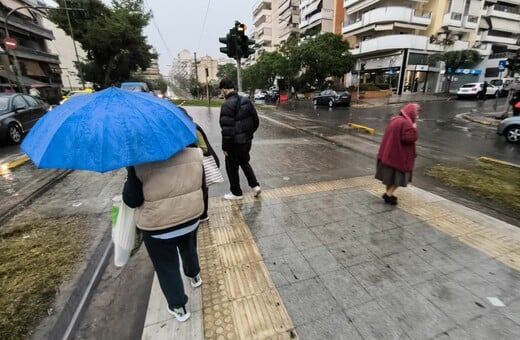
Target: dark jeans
{"x": 238, "y": 156}
{"x": 165, "y": 259}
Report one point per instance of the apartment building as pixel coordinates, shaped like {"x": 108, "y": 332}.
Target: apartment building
{"x": 31, "y": 63}
{"x": 498, "y": 35}
{"x": 288, "y": 19}
{"x": 316, "y": 16}
{"x": 393, "y": 38}
{"x": 265, "y": 33}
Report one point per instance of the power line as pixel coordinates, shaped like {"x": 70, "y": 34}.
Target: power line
{"x": 203, "y": 25}
{"x": 158, "y": 30}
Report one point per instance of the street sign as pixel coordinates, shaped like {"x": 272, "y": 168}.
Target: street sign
{"x": 10, "y": 43}
{"x": 501, "y": 66}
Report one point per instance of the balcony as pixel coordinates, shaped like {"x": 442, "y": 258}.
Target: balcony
{"x": 504, "y": 12}
{"x": 452, "y": 19}
{"x": 348, "y": 3}
{"x": 29, "y": 53}
{"x": 325, "y": 14}
{"x": 27, "y": 26}
{"x": 263, "y": 14}
{"x": 487, "y": 36}
{"x": 470, "y": 22}
{"x": 389, "y": 14}
{"x": 396, "y": 42}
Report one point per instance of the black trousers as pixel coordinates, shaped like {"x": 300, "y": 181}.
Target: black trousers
{"x": 165, "y": 259}
{"x": 237, "y": 157}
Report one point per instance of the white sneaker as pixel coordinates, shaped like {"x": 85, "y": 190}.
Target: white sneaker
{"x": 230, "y": 196}
{"x": 196, "y": 281}
{"x": 257, "y": 190}
{"x": 181, "y": 314}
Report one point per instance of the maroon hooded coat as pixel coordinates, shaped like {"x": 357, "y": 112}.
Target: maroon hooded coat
{"x": 397, "y": 149}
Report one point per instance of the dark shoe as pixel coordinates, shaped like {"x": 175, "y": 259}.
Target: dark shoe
{"x": 392, "y": 200}
{"x": 386, "y": 198}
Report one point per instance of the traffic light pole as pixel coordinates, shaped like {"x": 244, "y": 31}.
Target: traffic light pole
{"x": 239, "y": 75}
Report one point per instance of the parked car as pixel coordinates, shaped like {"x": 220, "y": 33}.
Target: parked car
{"x": 135, "y": 86}
{"x": 510, "y": 128}
{"x": 475, "y": 89}
{"x": 502, "y": 85}
{"x": 18, "y": 114}
{"x": 243, "y": 94}
{"x": 332, "y": 98}
{"x": 75, "y": 93}
{"x": 260, "y": 95}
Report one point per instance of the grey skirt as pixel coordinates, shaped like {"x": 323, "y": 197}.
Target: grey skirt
{"x": 392, "y": 177}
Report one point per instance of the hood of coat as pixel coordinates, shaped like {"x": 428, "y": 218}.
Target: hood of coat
{"x": 411, "y": 111}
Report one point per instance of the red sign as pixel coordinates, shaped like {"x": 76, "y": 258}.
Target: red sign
{"x": 10, "y": 43}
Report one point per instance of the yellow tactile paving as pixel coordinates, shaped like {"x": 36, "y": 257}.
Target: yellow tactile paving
{"x": 239, "y": 298}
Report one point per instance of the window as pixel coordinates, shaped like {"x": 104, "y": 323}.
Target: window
{"x": 19, "y": 103}
{"x": 31, "y": 100}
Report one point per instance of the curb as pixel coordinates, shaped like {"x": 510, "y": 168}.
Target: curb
{"x": 467, "y": 117}
{"x": 497, "y": 161}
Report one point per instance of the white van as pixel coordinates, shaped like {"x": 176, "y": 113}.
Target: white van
{"x": 502, "y": 84}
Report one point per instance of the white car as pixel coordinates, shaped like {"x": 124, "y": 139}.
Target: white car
{"x": 260, "y": 95}
{"x": 475, "y": 90}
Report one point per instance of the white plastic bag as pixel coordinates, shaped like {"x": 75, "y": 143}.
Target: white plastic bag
{"x": 123, "y": 231}
{"x": 211, "y": 170}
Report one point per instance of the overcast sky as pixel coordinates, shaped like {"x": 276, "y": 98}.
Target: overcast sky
{"x": 194, "y": 25}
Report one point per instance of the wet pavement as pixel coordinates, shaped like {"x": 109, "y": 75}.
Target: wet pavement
{"x": 328, "y": 258}
{"x": 341, "y": 264}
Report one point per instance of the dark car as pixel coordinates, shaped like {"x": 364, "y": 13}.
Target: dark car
{"x": 18, "y": 114}
{"x": 332, "y": 98}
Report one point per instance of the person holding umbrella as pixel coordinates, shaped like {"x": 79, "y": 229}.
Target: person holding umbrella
{"x": 396, "y": 156}
{"x": 114, "y": 129}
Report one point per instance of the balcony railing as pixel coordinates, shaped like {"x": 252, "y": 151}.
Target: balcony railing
{"x": 470, "y": 21}
{"x": 29, "y": 53}
{"x": 506, "y": 9}
{"x": 453, "y": 19}
{"x": 26, "y": 25}
{"x": 388, "y": 14}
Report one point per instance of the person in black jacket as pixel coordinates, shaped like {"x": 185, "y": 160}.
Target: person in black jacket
{"x": 238, "y": 121}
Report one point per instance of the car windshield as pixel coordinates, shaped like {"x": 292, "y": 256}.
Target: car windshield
{"x": 134, "y": 88}
{"x": 4, "y": 104}
{"x": 496, "y": 82}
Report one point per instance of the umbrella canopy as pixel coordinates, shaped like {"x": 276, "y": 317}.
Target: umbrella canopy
{"x": 108, "y": 130}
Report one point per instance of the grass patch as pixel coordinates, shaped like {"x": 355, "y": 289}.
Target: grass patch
{"x": 490, "y": 181}
{"x": 196, "y": 102}
{"x": 35, "y": 258}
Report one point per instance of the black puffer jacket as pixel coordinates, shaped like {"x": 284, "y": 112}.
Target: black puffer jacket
{"x": 238, "y": 121}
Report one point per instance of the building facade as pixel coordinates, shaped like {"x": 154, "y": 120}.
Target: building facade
{"x": 394, "y": 38}
{"x": 31, "y": 63}
{"x": 316, "y": 16}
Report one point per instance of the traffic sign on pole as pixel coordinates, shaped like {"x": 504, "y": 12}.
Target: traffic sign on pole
{"x": 10, "y": 43}
{"x": 501, "y": 66}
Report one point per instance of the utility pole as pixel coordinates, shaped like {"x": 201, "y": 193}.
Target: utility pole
{"x": 75, "y": 48}
{"x": 207, "y": 86}
{"x": 239, "y": 75}
{"x": 196, "y": 73}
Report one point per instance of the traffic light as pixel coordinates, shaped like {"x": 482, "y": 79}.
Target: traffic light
{"x": 246, "y": 45}
{"x": 363, "y": 67}
{"x": 513, "y": 64}
{"x": 231, "y": 44}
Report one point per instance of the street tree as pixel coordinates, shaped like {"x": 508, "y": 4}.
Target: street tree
{"x": 322, "y": 56}
{"x": 454, "y": 60}
{"x": 112, "y": 38}
{"x": 228, "y": 71}
{"x": 262, "y": 74}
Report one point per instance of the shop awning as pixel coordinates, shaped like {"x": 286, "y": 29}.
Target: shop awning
{"x": 33, "y": 68}
{"x": 23, "y": 80}
{"x": 504, "y": 25}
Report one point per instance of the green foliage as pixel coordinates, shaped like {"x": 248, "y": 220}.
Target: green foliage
{"x": 112, "y": 38}
{"x": 513, "y": 64}
{"x": 228, "y": 71}
{"x": 322, "y": 56}
{"x": 262, "y": 73}
{"x": 456, "y": 59}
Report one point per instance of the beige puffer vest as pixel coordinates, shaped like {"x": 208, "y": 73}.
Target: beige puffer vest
{"x": 172, "y": 191}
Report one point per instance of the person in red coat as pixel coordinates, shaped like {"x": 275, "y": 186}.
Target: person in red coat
{"x": 396, "y": 156}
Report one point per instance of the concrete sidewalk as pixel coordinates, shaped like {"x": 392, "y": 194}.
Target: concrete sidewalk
{"x": 320, "y": 257}
{"x": 404, "y": 98}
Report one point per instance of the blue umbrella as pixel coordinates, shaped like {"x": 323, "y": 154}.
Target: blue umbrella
{"x": 108, "y": 130}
